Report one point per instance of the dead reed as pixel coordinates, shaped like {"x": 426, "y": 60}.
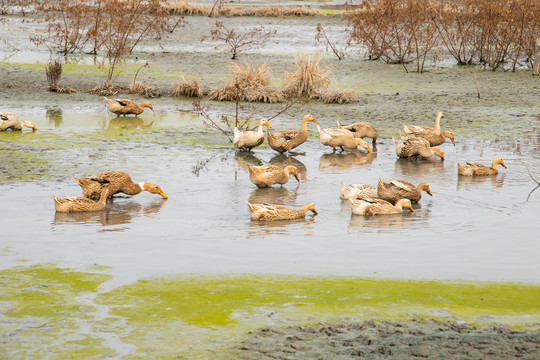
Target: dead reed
{"x": 188, "y": 88}
{"x": 308, "y": 78}
{"x": 337, "y": 96}
{"x": 187, "y": 9}
{"x": 250, "y": 82}
{"x": 146, "y": 91}
{"x": 54, "y": 73}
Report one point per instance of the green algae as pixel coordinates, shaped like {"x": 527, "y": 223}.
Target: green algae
{"x": 194, "y": 316}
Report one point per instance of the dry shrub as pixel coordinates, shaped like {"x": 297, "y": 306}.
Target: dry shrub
{"x": 308, "y": 78}
{"x": 189, "y": 88}
{"x": 186, "y": 8}
{"x": 250, "y": 82}
{"x": 54, "y": 73}
{"x": 148, "y": 92}
{"x": 108, "y": 90}
{"x": 337, "y": 96}
{"x": 494, "y": 33}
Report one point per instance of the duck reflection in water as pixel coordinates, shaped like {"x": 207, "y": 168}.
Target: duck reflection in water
{"x": 114, "y": 214}
{"x": 469, "y": 182}
{"x": 124, "y": 123}
{"x": 266, "y": 228}
{"x": 273, "y": 195}
{"x": 55, "y": 116}
{"x": 387, "y": 220}
{"x": 345, "y": 159}
{"x": 418, "y": 166}
{"x": 283, "y": 160}
{"x": 244, "y": 159}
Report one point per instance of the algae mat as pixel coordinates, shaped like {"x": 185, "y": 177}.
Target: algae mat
{"x": 58, "y": 313}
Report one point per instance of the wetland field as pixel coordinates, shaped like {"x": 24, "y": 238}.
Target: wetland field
{"x": 193, "y": 277}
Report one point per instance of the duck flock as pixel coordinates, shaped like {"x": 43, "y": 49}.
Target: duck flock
{"x": 389, "y": 197}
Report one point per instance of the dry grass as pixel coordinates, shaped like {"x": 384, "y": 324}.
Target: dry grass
{"x": 54, "y": 73}
{"x": 307, "y": 80}
{"x": 337, "y": 96}
{"x": 250, "y": 82}
{"x": 189, "y": 88}
{"x": 108, "y": 90}
{"x": 185, "y": 8}
{"x": 148, "y": 92}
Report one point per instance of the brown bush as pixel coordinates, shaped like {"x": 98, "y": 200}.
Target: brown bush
{"x": 337, "y": 96}
{"x": 308, "y": 78}
{"x": 187, "y": 88}
{"x": 495, "y": 33}
{"x": 54, "y": 73}
{"x": 146, "y": 91}
{"x": 250, "y": 82}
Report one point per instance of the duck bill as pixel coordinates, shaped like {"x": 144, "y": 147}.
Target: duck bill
{"x": 504, "y": 165}
{"x": 429, "y": 192}
{"x": 268, "y": 125}
{"x": 410, "y": 207}
{"x": 296, "y": 177}
{"x": 163, "y": 194}
{"x": 315, "y": 121}
{"x": 453, "y": 142}
{"x": 315, "y": 211}
{"x": 368, "y": 149}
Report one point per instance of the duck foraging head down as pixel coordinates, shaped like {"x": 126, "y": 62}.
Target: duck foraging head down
{"x": 117, "y": 182}
{"x": 9, "y": 121}
{"x": 270, "y": 212}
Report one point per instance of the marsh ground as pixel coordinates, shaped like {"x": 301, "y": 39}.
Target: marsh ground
{"x": 470, "y": 230}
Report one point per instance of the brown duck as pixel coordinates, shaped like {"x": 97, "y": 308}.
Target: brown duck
{"x": 475, "y": 169}
{"x": 399, "y": 189}
{"x": 361, "y": 130}
{"x": 288, "y": 140}
{"x": 116, "y": 181}
{"x": 411, "y": 146}
{"x": 276, "y": 212}
{"x": 9, "y": 121}
{"x": 268, "y": 175}
{"x": 433, "y": 137}
{"x": 126, "y": 107}
{"x": 81, "y": 204}
{"x": 436, "y": 128}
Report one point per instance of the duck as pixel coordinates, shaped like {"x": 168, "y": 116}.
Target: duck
{"x": 268, "y": 175}
{"x": 354, "y": 191}
{"x": 270, "y": 212}
{"x": 361, "y": 130}
{"x": 341, "y": 138}
{"x": 81, "y": 204}
{"x": 475, "y": 169}
{"x": 288, "y": 140}
{"x": 117, "y": 181}
{"x": 432, "y": 136}
{"x": 371, "y": 206}
{"x": 401, "y": 189}
{"x": 9, "y": 121}
{"x": 411, "y": 146}
{"x": 126, "y": 106}
{"x": 436, "y": 128}
{"x": 247, "y": 140}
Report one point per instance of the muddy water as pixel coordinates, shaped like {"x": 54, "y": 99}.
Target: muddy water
{"x": 479, "y": 229}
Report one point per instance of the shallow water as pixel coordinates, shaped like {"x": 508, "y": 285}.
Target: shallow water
{"x": 477, "y": 229}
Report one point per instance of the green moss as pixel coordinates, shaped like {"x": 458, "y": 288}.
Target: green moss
{"x": 198, "y": 316}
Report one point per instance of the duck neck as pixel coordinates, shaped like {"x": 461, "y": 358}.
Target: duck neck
{"x": 104, "y": 196}
{"x": 305, "y": 120}
{"x": 133, "y": 188}
{"x": 437, "y": 126}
